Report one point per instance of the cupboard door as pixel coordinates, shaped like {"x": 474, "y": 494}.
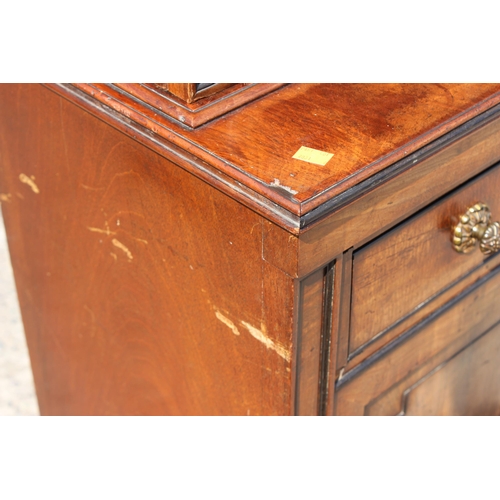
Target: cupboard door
{"x": 466, "y": 384}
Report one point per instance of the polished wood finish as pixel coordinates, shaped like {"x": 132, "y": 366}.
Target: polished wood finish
{"x": 419, "y": 257}
{"x": 189, "y": 92}
{"x": 168, "y": 270}
{"x": 331, "y": 334}
{"x": 184, "y": 159}
{"x": 143, "y": 290}
{"x": 377, "y": 388}
{"x": 256, "y": 144}
{"x": 345, "y": 308}
{"x": 399, "y": 197}
{"x": 184, "y": 104}
{"x": 309, "y": 347}
{"x": 467, "y": 384}
{"x": 184, "y": 91}
{"x": 419, "y": 314}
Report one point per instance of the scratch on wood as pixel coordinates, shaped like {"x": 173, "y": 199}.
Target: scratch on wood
{"x": 5, "y": 197}
{"x": 30, "y": 181}
{"x": 227, "y": 322}
{"x": 101, "y": 231}
{"x": 92, "y": 315}
{"x": 262, "y": 337}
{"x": 108, "y": 232}
{"x": 113, "y": 255}
{"x": 277, "y": 183}
{"x": 90, "y": 188}
{"x": 19, "y": 195}
{"x": 253, "y": 227}
{"x": 92, "y": 318}
{"x": 122, "y": 247}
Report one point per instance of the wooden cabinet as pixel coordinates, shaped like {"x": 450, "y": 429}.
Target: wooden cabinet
{"x": 261, "y": 250}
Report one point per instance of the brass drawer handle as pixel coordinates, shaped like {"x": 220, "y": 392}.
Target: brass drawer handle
{"x": 475, "y": 225}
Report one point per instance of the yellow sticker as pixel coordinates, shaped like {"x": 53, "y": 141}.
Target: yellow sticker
{"x": 313, "y": 156}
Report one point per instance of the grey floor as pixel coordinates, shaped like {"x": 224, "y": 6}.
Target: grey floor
{"x": 17, "y": 393}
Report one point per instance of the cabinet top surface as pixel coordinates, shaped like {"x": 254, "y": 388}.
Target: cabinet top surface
{"x": 364, "y": 127}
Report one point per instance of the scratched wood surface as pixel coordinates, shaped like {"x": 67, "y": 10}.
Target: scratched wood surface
{"x": 143, "y": 290}
{"x": 366, "y": 126}
{"x": 151, "y": 282}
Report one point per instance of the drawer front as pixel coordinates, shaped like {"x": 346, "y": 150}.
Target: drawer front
{"x": 438, "y": 367}
{"x": 400, "y": 272}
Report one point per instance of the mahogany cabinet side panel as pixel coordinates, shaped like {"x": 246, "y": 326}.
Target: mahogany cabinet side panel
{"x": 143, "y": 290}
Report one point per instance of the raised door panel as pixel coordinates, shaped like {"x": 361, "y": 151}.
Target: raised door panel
{"x": 467, "y": 384}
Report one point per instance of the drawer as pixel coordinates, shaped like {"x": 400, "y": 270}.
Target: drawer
{"x": 403, "y": 270}
{"x": 445, "y": 365}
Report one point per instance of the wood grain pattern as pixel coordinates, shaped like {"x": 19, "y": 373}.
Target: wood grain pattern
{"x": 182, "y": 158}
{"x": 467, "y": 384}
{"x": 190, "y": 93}
{"x": 168, "y": 271}
{"x": 423, "y": 349}
{"x": 330, "y": 366}
{"x": 374, "y": 213}
{"x": 197, "y": 108}
{"x": 256, "y": 144}
{"x": 344, "y": 311}
{"x": 309, "y": 346}
{"x": 280, "y": 248}
{"x": 143, "y": 290}
{"x": 423, "y": 311}
{"x": 184, "y": 91}
{"x": 419, "y": 258}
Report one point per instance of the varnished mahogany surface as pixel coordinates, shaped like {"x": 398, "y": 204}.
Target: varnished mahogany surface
{"x": 190, "y": 92}
{"x": 155, "y": 277}
{"x": 378, "y": 389}
{"x": 143, "y": 290}
{"x": 367, "y": 127}
{"x": 419, "y": 258}
{"x": 406, "y": 322}
{"x": 391, "y": 202}
{"x": 195, "y": 113}
{"x": 467, "y": 384}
